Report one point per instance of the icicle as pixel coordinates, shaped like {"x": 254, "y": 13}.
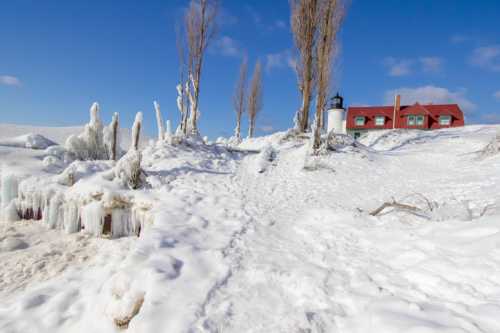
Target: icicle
{"x": 9, "y": 188}
{"x": 93, "y": 218}
{"x": 169, "y": 128}
{"x": 71, "y": 217}
{"x": 121, "y": 222}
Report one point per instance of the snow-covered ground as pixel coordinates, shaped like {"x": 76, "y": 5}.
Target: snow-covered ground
{"x": 276, "y": 241}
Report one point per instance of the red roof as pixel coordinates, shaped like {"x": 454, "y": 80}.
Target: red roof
{"x": 430, "y": 111}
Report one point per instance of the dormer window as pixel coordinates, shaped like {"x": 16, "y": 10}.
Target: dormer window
{"x": 415, "y": 120}
{"x": 379, "y": 120}
{"x": 445, "y": 120}
{"x": 360, "y": 121}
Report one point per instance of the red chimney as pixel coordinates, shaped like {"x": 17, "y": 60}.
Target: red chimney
{"x": 397, "y": 108}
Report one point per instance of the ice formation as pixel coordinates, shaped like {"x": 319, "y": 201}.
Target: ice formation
{"x": 136, "y": 131}
{"x": 89, "y": 145}
{"x": 9, "y": 188}
{"x": 159, "y": 121}
{"x": 112, "y": 138}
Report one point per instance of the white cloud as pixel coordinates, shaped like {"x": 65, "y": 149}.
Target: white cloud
{"x": 8, "y": 80}
{"x": 280, "y": 60}
{"x": 226, "y": 46}
{"x": 458, "y": 39}
{"x": 431, "y": 94}
{"x": 398, "y": 67}
{"x": 404, "y": 67}
{"x": 496, "y": 95}
{"x": 487, "y": 57}
{"x": 431, "y": 64}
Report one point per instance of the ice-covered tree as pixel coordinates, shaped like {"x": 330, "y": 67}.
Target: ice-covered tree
{"x": 200, "y": 23}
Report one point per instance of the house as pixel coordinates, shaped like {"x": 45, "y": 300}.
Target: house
{"x": 417, "y": 116}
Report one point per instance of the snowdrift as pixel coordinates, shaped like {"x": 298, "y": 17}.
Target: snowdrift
{"x": 261, "y": 237}
{"x": 30, "y": 141}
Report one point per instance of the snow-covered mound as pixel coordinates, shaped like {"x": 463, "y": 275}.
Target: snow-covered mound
{"x": 59, "y": 135}
{"x": 264, "y": 237}
{"x": 30, "y": 141}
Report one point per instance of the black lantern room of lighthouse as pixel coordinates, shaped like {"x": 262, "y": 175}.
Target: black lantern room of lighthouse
{"x": 337, "y": 102}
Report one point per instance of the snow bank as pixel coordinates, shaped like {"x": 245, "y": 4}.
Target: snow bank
{"x": 30, "y": 141}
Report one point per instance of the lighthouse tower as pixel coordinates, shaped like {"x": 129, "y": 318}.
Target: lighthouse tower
{"x": 336, "y": 115}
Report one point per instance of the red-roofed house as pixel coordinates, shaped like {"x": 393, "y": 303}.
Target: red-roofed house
{"x": 417, "y": 116}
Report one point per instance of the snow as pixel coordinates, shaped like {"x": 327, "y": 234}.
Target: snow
{"x": 261, "y": 238}
{"x": 58, "y": 135}
{"x": 29, "y": 141}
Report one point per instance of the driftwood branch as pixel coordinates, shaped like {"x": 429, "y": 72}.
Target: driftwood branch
{"x": 397, "y": 205}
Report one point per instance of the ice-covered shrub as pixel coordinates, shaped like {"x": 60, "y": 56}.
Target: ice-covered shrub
{"x": 128, "y": 169}
{"x": 81, "y": 169}
{"x": 112, "y": 138}
{"x": 89, "y": 145}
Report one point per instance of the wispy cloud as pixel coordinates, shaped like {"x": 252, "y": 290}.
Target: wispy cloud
{"x": 8, "y": 80}
{"x": 496, "y": 95}
{"x": 403, "y": 67}
{"x": 487, "y": 57}
{"x": 459, "y": 39}
{"x": 225, "y": 18}
{"x": 431, "y": 94}
{"x": 431, "y": 64}
{"x": 399, "y": 67}
{"x": 260, "y": 23}
{"x": 280, "y": 24}
{"x": 226, "y": 46}
{"x": 281, "y": 59}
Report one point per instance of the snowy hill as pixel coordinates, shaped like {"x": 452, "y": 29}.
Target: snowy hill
{"x": 276, "y": 241}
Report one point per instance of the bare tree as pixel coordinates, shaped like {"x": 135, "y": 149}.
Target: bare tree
{"x": 182, "y": 102}
{"x": 304, "y": 23}
{"x": 254, "y": 98}
{"x": 239, "y": 97}
{"x": 200, "y": 23}
{"x": 331, "y": 14}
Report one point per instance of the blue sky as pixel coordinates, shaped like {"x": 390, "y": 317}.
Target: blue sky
{"x": 57, "y": 57}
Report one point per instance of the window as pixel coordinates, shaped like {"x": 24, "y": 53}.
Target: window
{"x": 414, "y": 120}
{"x": 360, "y": 121}
{"x": 445, "y": 120}
{"x": 420, "y": 120}
{"x": 411, "y": 120}
{"x": 379, "y": 120}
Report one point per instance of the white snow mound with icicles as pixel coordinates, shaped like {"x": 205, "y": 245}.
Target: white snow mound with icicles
{"x": 261, "y": 237}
